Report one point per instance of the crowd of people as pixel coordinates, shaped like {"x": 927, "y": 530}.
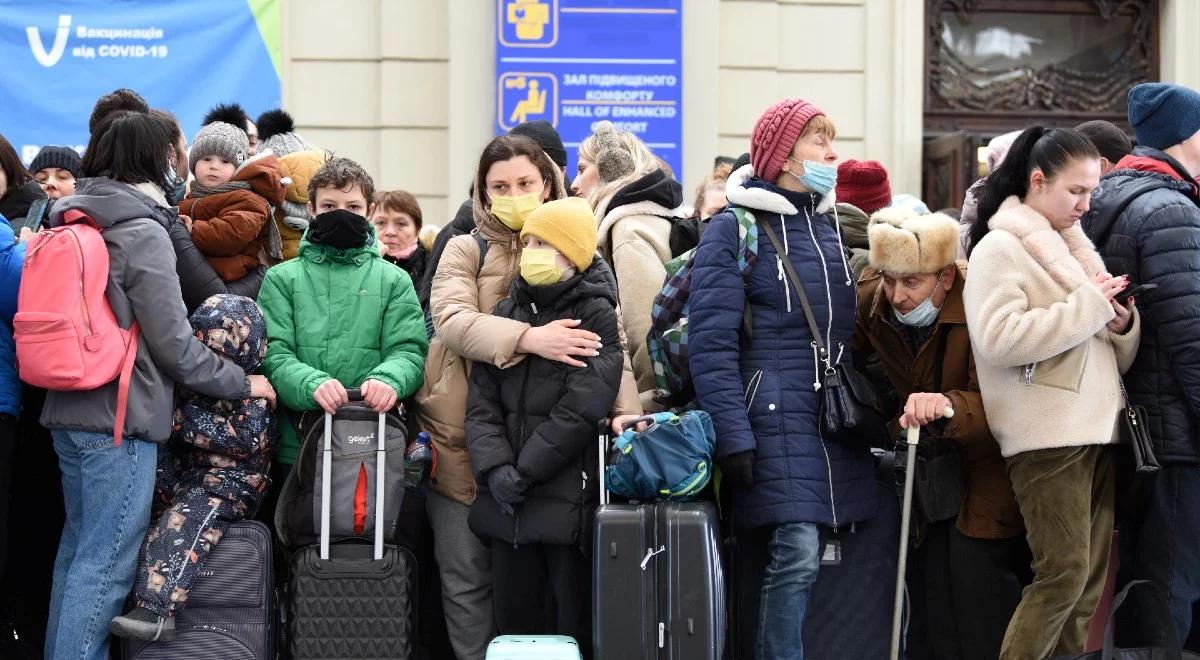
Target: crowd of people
{"x": 261, "y": 278}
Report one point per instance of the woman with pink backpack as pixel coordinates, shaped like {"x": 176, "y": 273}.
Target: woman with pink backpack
{"x": 108, "y": 477}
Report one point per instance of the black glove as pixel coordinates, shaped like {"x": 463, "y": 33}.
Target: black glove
{"x": 738, "y": 469}
{"x": 507, "y": 487}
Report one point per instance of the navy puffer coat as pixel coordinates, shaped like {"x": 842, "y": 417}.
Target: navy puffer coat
{"x": 760, "y": 393}
{"x": 1145, "y": 221}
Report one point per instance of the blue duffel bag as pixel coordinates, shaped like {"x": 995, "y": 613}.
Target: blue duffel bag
{"x": 670, "y": 460}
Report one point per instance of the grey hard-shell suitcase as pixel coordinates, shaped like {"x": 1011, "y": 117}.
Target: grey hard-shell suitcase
{"x": 658, "y": 580}
{"x": 350, "y": 598}
{"x": 230, "y": 612}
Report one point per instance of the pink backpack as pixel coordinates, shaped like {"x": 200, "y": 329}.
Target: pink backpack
{"x": 66, "y": 334}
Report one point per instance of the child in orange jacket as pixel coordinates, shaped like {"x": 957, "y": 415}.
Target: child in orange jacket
{"x": 230, "y": 204}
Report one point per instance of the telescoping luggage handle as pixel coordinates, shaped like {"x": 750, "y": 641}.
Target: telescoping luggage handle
{"x": 913, "y": 438}
{"x": 327, "y": 476}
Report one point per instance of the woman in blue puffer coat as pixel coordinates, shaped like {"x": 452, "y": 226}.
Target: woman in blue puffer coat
{"x": 760, "y": 392}
{"x": 12, "y": 256}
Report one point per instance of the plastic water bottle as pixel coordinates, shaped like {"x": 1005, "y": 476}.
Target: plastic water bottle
{"x": 418, "y": 461}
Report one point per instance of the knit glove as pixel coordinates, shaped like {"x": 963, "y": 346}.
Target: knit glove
{"x": 507, "y": 487}
{"x": 738, "y": 469}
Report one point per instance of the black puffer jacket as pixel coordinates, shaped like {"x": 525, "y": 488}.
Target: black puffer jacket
{"x": 463, "y": 223}
{"x": 414, "y": 265}
{"x": 1147, "y": 224}
{"x": 541, "y": 416}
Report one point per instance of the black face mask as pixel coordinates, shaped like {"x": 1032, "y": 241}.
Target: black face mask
{"x": 341, "y": 229}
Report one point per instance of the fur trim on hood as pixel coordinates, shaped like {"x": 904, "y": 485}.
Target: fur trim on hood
{"x": 904, "y": 243}
{"x": 1068, "y": 255}
{"x": 764, "y": 200}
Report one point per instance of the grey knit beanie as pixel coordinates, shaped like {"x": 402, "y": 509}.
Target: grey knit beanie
{"x": 219, "y": 139}
{"x": 283, "y": 144}
{"x": 278, "y": 133}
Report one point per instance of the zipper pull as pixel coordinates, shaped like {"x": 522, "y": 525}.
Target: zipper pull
{"x": 534, "y": 306}
{"x": 584, "y": 473}
{"x": 1029, "y": 373}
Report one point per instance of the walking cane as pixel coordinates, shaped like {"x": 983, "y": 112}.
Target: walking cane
{"x": 914, "y": 435}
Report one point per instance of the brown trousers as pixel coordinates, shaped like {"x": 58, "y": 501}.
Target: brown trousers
{"x": 1066, "y": 497}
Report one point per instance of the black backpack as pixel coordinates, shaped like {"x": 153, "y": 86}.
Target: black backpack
{"x": 685, "y": 235}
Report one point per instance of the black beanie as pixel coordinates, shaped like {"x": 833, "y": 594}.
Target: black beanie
{"x": 64, "y": 158}
{"x": 547, "y": 138}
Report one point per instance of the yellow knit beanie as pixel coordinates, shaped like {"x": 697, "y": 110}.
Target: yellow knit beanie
{"x": 569, "y": 226}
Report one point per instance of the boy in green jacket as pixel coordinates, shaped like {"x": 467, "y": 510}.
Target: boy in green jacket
{"x": 339, "y": 316}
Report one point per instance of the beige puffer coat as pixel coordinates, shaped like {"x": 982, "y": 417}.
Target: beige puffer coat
{"x": 462, "y": 298}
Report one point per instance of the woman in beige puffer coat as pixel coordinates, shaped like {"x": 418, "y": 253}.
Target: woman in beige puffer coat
{"x": 468, "y": 284}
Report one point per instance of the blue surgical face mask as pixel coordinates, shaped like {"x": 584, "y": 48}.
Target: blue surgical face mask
{"x": 923, "y": 315}
{"x": 818, "y": 177}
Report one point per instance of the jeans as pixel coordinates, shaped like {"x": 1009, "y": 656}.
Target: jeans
{"x": 107, "y": 491}
{"x": 1067, "y": 498}
{"x": 795, "y": 560}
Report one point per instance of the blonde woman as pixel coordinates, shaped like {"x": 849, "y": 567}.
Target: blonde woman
{"x": 635, "y": 202}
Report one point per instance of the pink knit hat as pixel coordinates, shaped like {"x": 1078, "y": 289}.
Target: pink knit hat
{"x": 776, "y": 133}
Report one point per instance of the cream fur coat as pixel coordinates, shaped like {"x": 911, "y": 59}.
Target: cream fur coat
{"x": 1048, "y": 366}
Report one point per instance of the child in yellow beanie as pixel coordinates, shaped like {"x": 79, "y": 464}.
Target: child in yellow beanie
{"x": 531, "y": 430}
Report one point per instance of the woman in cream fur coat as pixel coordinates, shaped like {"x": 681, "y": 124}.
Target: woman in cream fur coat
{"x": 1050, "y": 344}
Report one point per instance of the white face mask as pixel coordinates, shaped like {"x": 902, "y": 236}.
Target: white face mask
{"x": 923, "y": 315}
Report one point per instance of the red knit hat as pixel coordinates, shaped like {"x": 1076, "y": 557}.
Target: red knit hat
{"x": 776, "y": 133}
{"x": 864, "y": 184}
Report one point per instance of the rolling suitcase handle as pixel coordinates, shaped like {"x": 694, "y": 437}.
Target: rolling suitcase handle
{"x": 602, "y": 444}
{"x": 913, "y": 438}
{"x": 327, "y": 476}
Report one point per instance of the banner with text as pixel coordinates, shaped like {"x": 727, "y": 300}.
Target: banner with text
{"x": 577, "y": 62}
{"x": 184, "y": 56}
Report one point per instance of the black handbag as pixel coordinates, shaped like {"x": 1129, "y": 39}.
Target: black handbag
{"x": 851, "y": 410}
{"x": 1136, "y": 434}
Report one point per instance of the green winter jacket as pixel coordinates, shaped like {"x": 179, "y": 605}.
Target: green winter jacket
{"x": 344, "y": 314}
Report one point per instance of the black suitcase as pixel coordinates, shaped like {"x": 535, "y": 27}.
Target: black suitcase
{"x": 230, "y": 612}
{"x": 658, "y": 583}
{"x": 352, "y": 599}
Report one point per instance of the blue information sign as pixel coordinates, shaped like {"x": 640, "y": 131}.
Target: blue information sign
{"x": 184, "y": 56}
{"x": 577, "y": 62}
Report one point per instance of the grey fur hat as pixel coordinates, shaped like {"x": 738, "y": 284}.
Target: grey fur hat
{"x": 613, "y": 160}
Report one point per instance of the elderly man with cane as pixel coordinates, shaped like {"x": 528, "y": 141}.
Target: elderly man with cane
{"x": 969, "y": 532}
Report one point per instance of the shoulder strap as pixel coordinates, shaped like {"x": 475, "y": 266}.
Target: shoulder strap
{"x": 813, "y": 327}
{"x": 123, "y": 382}
{"x": 747, "y": 318}
{"x": 483, "y": 249}
{"x": 939, "y": 359}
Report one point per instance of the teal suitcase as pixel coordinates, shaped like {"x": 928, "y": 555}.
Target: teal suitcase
{"x": 533, "y": 647}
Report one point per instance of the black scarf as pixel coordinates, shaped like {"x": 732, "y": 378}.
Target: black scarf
{"x": 341, "y": 229}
